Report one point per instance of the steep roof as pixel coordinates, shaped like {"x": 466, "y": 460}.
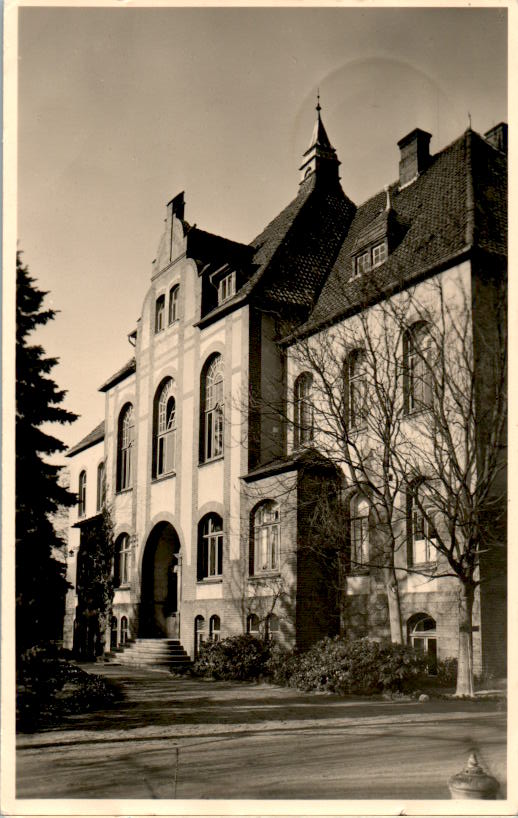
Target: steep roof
{"x": 120, "y": 375}
{"x": 458, "y": 203}
{"x": 95, "y": 436}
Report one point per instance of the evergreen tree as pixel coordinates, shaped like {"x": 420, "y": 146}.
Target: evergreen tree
{"x": 40, "y": 578}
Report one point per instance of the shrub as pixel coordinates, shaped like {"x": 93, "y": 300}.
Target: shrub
{"x": 237, "y": 657}
{"x": 49, "y": 687}
{"x": 361, "y": 667}
{"x": 446, "y": 675}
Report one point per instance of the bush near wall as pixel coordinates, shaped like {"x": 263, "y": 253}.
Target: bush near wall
{"x": 240, "y": 658}
{"x": 339, "y": 666}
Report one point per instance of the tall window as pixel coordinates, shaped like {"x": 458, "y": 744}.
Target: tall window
{"x": 355, "y": 388}
{"x": 160, "y": 313}
{"x": 199, "y": 633}
{"x": 210, "y": 547}
{"x": 272, "y": 627}
{"x": 174, "y": 294}
{"x": 82, "y": 494}
{"x": 114, "y": 635}
{"x": 421, "y": 528}
{"x": 212, "y": 409}
{"x": 226, "y": 287}
{"x": 125, "y": 448}
{"x": 124, "y": 630}
{"x": 303, "y": 410}
{"x": 101, "y": 487}
{"x": 122, "y": 559}
{"x": 359, "y": 531}
{"x": 214, "y": 628}
{"x": 422, "y": 635}
{"x": 165, "y": 430}
{"x": 265, "y": 547}
{"x": 252, "y": 625}
{"x": 417, "y": 367}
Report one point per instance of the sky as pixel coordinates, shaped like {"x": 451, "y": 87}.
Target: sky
{"x": 119, "y": 109}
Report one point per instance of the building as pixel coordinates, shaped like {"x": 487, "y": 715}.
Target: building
{"x": 212, "y": 450}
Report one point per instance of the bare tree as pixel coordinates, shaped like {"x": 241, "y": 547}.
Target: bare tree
{"x": 408, "y": 398}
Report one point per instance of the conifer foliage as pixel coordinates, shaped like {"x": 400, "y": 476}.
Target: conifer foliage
{"x": 40, "y": 578}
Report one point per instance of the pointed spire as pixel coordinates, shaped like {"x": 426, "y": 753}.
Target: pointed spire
{"x": 320, "y": 152}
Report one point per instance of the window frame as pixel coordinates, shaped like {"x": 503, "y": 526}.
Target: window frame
{"x": 227, "y": 287}
{"x": 210, "y": 548}
{"x": 417, "y": 372}
{"x": 164, "y": 431}
{"x": 160, "y": 313}
{"x": 81, "y": 494}
{"x": 303, "y": 410}
{"x": 418, "y": 520}
{"x": 215, "y": 632}
{"x": 425, "y": 637}
{"x": 356, "y": 392}
{"x": 122, "y": 561}
{"x": 272, "y": 634}
{"x": 125, "y": 447}
{"x": 265, "y": 550}
{"x": 253, "y": 619}
{"x": 212, "y": 432}
{"x": 359, "y": 524}
{"x": 174, "y": 304}
{"x": 101, "y": 485}
{"x": 124, "y": 638}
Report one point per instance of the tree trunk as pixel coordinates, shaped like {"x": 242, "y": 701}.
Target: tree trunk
{"x": 394, "y": 605}
{"x": 465, "y": 684}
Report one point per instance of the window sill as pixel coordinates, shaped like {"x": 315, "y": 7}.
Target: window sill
{"x": 264, "y": 575}
{"x": 173, "y": 323}
{"x": 212, "y": 460}
{"x": 209, "y": 581}
{"x": 125, "y": 587}
{"x": 124, "y": 491}
{"x": 424, "y": 566}
{"x": 163, "y": 477}
{"x": 359, "y": 572}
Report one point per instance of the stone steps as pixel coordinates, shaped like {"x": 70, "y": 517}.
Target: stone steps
{"x": 151, "y": 653}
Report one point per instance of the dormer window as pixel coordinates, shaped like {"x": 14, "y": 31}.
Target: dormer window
{"x": 370, "y": 258}
{"x": 227, "y": 287}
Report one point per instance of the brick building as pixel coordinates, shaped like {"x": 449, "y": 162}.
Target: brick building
{"x": 212, "y": 452}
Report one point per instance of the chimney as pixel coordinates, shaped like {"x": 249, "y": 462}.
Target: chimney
{"x": 497, "y": 137}
{"x": 415, "y": 155}
{"x": 178, "y": 205}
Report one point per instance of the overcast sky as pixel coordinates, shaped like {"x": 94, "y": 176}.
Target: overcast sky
{"x": 122, "y": 108}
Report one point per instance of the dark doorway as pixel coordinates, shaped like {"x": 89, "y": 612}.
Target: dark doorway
{"x": 159, "y": 616}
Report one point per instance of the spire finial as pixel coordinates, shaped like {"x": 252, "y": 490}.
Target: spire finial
{"x": 318, "y": 108}
{"x": 388, "y": 205}
{"x": 469, "y": 118}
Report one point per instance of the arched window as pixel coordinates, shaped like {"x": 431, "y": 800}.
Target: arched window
{"x": 417, "y": 368}
{"x": 82, "y": 494}
{"x": 210, "y": 547}
{"x": 272, "y": 627}
{"x": 124, "y": 630}
{"x": 422, "y": 532}
{"x": 422, "y": 635}
{"x": 199, "y": 634}
{"x": 214, "y": 628}
{"x": 252, "y": 625}
{"x": 174, "y": 294}
{"x": 359, "y": 509}
{"x": 164, "y": 432}
{"x": 101, "y": 487}
{"x": 126, "y": 439}
{"x": 122, "y": 557}
{"x": 113, "y": 632}
{"x": 303, "y": 410}
{"x": 265, "y": 538}
{"x": 355, "y": 389}
{"x": 212, "y": 409}
{"x": 160, "y": 313}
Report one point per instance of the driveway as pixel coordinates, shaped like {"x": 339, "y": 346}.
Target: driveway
{"x": 189, "y": 738}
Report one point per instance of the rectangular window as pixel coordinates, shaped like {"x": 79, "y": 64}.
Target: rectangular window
{"x": 214, "y": 433}
{"x": 423, "y": 536}
{"x": 227, "y": 287}
{"x": 362, "y": 263}
{"x": 379, "y": 254}
{"x": 160, "y": 313}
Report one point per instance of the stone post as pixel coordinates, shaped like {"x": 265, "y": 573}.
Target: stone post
{"x": 473, "y": 782}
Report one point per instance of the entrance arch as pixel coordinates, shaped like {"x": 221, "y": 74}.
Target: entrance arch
{"x": 161, "y": 584}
